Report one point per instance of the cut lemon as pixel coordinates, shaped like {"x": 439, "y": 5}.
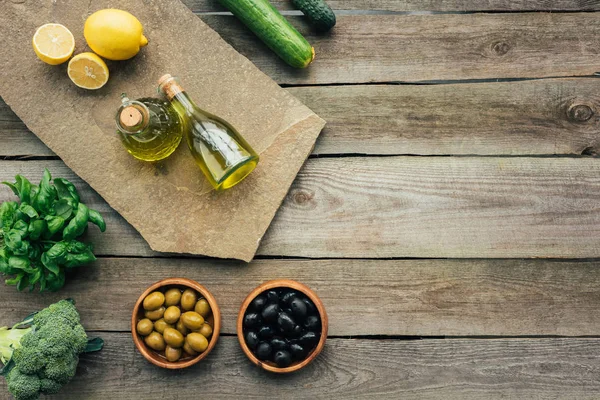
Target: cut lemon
{"x": 53, "y": 43}
{"x": 88, "y": 71}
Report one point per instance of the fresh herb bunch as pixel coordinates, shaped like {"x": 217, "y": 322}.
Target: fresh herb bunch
{"x": 38, "y": 236}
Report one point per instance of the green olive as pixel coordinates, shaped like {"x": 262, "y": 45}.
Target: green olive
{"x": 161, "y": 325}
{"x": 192, "y": 320}
{"x": 206, "y": 330}
{"x": 173, "y": 337}
{"x": 155, "y": 314}
{"x": 188, "y": 349}
{"x": 145, "y": 327}
{"x": 188, "y": 299}
{"x": 197, "y": 342}
{"x": 181, "y": 327}
{"x": 153, "y": 301}
{"x": 172, "y": 314}
{"x": 172, "y": 297}
{"x": 155, "y": 341}
{"x": 202, "y": 308}
{"x": 172, "y": 353}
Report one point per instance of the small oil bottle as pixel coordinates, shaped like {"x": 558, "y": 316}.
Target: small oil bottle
{"x": 218, "y": 148}
{"x": 150, "y": 129}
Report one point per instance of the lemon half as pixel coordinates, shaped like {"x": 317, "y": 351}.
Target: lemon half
{"x": 53, "y": 43}
{"x": 88, "y": 71}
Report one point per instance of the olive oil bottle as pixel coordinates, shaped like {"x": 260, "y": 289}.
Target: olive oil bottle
{"x": 220, "y": 151}
{"x": 150, "y": 129}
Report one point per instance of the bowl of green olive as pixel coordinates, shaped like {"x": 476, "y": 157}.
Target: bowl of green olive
{"x": 282, "y": 326}
{"x": 175, "y": 323}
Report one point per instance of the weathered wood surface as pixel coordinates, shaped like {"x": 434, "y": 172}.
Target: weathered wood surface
{"x": 408, "y": 207}
{"x": 362, "y": 297}
{"x": 381, "y": 369}
{"x": 426, "y": 5}
{"x": 385, "y": 48}
{"x": 553, "y": 116}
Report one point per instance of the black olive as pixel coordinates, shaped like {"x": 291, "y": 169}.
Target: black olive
{"x": 263, "y": 351}
{"x": 251, "y": 320}
{"x": 278, "y": 343}
{"x": 297, "y": 331}
{"x": 297, "y": 351}
{"x": 310, "y": 307}
{"x": 252, "y": 340}
{"x": 270, "y": 313}
{"x": 258, "y": 303}
{"x": 285, "y": 322}
{"x": 309, "y": 339}
{"x": 282, "y": 359}
{"x": 298, "y": 309}
{"x": 287, "y": 298}
{"x": 312, "y": 323}
{"x": 266, "y": 332}
{"x": 272, "y": 297}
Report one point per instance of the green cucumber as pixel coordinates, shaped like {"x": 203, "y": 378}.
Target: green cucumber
{"x": 272, "y": 28}
{"x": 318, "y": 13}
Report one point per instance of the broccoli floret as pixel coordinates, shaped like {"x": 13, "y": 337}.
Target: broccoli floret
{"x": 23, "y": 386}
{"x": 62, "y": 369}
{"x": 64, "y": 310}
{"x": 48, "y": 386}
{"x": 58, "y": 338}
{"x": 29, "y": 359}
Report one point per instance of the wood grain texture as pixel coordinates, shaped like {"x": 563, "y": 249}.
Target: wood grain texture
{"x": 374, "y": 207}
{"x": 553, "y": 116}
{"x": 391, "y": 297}
{"x": 410, "y": 48}
{"x": 380, "y": 369}
{"x": 425, "y": 5}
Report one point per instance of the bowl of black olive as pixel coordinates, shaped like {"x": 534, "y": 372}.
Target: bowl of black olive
{"x": 282, "y": 326}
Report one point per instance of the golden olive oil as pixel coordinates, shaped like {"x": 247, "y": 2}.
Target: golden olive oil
{"x": 150, "y": 129}
{"x": 220, "y": 151}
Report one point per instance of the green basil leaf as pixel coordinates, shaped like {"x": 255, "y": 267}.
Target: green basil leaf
{"x": 55, "y": 224}
{"x": 13, "y": 187}
{"x": 50, "y": 264}
{"x": 34, "y": 252}
{"x": 63, "y": 209}
{"x": 79, "y": 256}
{"x": 77, "y": 225}
{"x": 7, "y": 215}
{"x": 96, "y": 218}
{"x": 45, "y": 195}
{"x": 23, "y": 283}
{"x": 66, "y": 189}
{"x": 21, "y": 227}
{"x": 28, "y": 210}
{"x": 13, "y": 241}
{"x": 22, "y": 188}
{"x": 21, "y": 263}
{"x": 35, "y": 229}
{"x": 14, "y": 281}
{"x": 57, "y": 252}
{"x": 4, "y": 267}
{"x": 55, "y": 282}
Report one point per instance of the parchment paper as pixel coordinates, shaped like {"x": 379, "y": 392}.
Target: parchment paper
{"x": 170, "y": 203}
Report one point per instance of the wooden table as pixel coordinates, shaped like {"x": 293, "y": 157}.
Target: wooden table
{"x": 449, "y": 216}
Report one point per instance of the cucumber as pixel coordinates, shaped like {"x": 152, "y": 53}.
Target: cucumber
{"x": 318, "y": 13}
{"x": 272, "y": 28}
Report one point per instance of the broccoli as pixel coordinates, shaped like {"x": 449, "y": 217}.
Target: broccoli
{"x": 41, "y": 353}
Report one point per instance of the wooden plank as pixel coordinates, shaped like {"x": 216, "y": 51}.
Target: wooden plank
{"x": 410, "y": 48}
{"x": 377, "y": 369}
{"x": 426, "y": 5}
{"x": 391, "y": 297}
{"x": 457, "y": 207}
{"x": 553, "y": 116}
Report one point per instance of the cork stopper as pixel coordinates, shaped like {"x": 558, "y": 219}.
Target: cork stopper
{"x": 169, "y": 86}
{"x": 130, "y": 117}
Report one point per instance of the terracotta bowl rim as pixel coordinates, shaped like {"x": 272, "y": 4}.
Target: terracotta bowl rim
{"x": 291, "y": 284}
{"x": 189, "y": 283}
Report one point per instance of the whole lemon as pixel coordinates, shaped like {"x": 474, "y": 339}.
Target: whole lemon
{"x": 114, "y": 34}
